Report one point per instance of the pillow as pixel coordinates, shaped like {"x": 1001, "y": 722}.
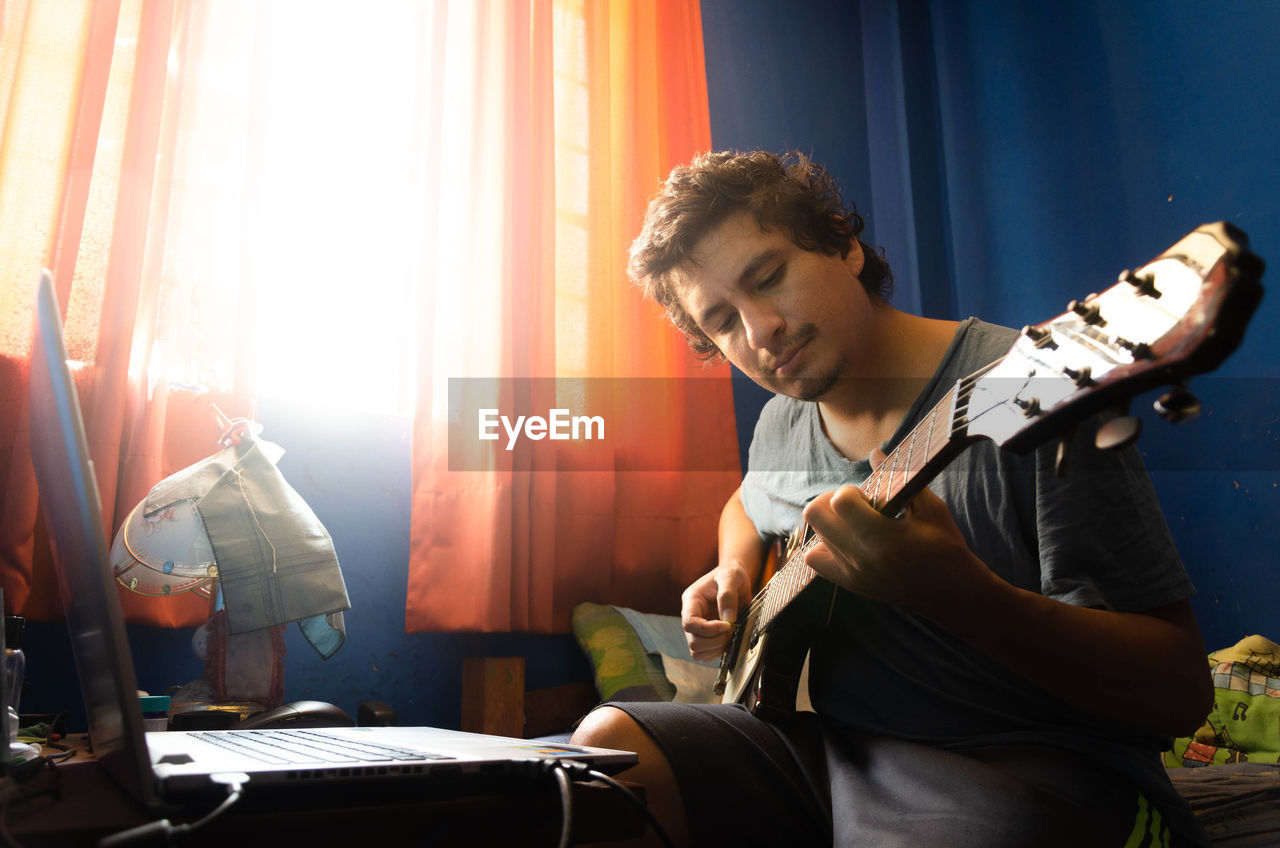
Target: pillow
{"x": 1244, "y": 724}
{"x": 694, "y": 681}
{"x": 624, "y": 670}
{"x": 663, "y": 637}
{"x": 641, "y": 656}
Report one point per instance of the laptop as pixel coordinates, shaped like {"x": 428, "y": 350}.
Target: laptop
{"x": 167, "y": 766}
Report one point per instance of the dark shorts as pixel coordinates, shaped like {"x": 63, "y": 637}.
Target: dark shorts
{"x": 748, "y": 782}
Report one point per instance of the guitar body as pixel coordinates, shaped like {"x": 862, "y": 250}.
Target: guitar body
{"x": 769, "y": 661}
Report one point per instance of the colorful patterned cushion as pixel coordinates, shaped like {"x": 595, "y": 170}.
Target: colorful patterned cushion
{"x": 624, "y": 671}
{"x": 1244, "y": 725}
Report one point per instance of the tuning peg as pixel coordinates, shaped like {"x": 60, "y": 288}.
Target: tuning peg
{"x": 1040, "y": 336}
{"x": 1060, "y": 457}
{"x": 1177, "y": 405}
{"x": 1144, "y": 285}
{"x": 1118, "y": 433}
{"x": 1139, "y": 350}
{"x": 1030, "y": 406}
{"x": 1082, "y": 376}
{"x": 1087, "y": 311}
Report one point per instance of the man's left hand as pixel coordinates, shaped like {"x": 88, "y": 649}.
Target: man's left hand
{"x": 918, "y": 560}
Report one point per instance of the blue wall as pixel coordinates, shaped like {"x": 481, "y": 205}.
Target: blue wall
{"x": 1009, "y": 156}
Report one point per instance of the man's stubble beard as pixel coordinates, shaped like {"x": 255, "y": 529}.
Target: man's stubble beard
{"x": 815, "y": 389}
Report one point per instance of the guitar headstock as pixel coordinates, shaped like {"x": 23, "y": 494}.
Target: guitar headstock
{"x": 1181, "y": 314}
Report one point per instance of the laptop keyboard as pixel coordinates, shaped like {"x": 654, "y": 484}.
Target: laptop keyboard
{"x": 300, "y": 747}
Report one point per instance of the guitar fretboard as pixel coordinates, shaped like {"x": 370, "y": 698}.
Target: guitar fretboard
{"x": 908, "y": 467}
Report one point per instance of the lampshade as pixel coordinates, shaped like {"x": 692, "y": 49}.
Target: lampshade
{"x": 232, "y": 523}
{"x": 165, "y": 553}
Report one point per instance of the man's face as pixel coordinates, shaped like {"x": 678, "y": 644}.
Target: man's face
{"x": 791, "y": 319}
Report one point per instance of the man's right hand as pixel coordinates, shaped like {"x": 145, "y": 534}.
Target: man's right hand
{"x": 710, "y": 606}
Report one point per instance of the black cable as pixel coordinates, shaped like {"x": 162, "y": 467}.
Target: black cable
{"x": 164, "y": 831}
{"x": 232, "y": 796}
{"x": 635, "y": 799}
{"x": 566, "y": 805}
{"x": 575, "y": 769}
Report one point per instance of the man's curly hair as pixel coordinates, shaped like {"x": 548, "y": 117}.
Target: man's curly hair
{"x": 787, "y": 192}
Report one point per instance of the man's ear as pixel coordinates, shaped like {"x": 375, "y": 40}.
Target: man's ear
{"x": 855, "y": 259}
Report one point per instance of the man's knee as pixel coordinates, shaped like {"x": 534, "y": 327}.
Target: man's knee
{"x": 610, "y": 727}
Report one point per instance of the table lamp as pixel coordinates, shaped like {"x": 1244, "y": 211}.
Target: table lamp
{"x": 231, "y": 529}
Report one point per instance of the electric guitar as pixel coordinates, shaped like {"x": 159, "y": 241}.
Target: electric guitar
{"x": 1181, "y": 314}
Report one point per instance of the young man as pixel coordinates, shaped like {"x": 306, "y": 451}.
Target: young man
{"x": 1003, "y": 660}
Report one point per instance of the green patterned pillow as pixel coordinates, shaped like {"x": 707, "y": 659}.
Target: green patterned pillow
{"x": 1242, "y": 727}
{"x": 624, "y": 670}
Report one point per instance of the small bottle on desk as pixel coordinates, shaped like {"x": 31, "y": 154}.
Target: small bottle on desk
{"x": 155, "y": 712}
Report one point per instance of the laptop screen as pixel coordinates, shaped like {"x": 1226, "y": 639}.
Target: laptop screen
{"x": 73, "y": 515}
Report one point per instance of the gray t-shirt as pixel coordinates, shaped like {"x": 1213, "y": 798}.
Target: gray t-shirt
{"x": 1095, "y": 537}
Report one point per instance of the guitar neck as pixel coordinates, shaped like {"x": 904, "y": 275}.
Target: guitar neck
{"x": 925, "y": 451}
{"x": 907, "y": 469}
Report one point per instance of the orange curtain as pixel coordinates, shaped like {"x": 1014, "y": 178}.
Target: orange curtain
{"x": 178, "y": 165}
{"x": 88, "y": 93}
{"x": 579, "y": 110}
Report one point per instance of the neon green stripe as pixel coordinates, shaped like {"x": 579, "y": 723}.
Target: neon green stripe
{"x": 1161, "y": 828}
{"x": 1140, "y": 835}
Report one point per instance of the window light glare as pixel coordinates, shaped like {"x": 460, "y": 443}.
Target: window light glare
{"x": 328, "y": 216}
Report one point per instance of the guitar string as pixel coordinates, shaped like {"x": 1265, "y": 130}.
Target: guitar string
{"x": 791, "y": 572}
{"x": 959, "y": 396}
